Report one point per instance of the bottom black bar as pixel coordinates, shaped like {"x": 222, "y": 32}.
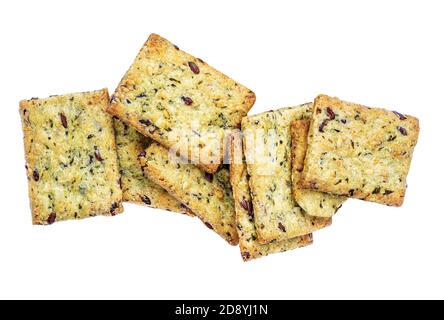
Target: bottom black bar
{"x": 218, "y": 309}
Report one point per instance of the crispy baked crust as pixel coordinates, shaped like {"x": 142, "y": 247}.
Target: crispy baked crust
{"x": 358, "y": 151}
{"x": 277, "y": 216}
{"x": 249, "y": 246}
{"x": 178, "y": 100}
{"x": 314, "y": 203}
{"x": 137, "y": 188}
{"x": 71, "y": 160}
{"x": 208, "y": 196}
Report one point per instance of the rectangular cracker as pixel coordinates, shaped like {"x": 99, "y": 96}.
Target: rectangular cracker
{"x": 249, "y": 246}
{"x": 267, "y": 147}
{"x": 207, "y": 195}
{"x": 314, "y": 203}
{"x": 358, "y": 151}
{"x": 137, "y": 188}
{"x": 181, "y": 102}
{"x": 71, "y": 159}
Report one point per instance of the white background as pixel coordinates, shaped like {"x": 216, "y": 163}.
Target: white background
{"x": 379, "y": 53}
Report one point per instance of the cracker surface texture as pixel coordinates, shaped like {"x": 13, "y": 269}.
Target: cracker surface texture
{"x": 314, "y": 203}
{"x": 249, "y": 246}
{"x": 71, "y": 159}
{"x": 181, "y": 102}
{"x": 207, "y": 195}
{"x": 267, "y": 144}
{"x": 136, "y": 187}
{"x": 359, "y": 152}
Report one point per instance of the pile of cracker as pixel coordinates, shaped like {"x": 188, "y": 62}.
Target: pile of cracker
{"x": 175, "y": 135}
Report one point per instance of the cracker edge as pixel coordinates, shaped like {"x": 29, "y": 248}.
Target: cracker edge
{"x": 156, "y": 176}
{"x": 236, "y": 171}
{"x": 298, "y": 152}
{"x": 162, "y": 204}
{"x": 320, "y": 222}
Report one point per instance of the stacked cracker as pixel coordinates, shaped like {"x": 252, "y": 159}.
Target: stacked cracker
{"x": 316, "y": 156}
{"x": 289, "y": 172}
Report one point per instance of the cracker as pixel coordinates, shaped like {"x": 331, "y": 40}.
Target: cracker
{"x": 71, "y": 159}
{"x": 267, "y": 144}
{"x": 314, "y": 203}
{"x": 207, "y": 195}
{"x": 181, "y": 102}
{"x": 249, "y": 246}
{"x": 137, "y": 188}
{"x": 358, "y": 151}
